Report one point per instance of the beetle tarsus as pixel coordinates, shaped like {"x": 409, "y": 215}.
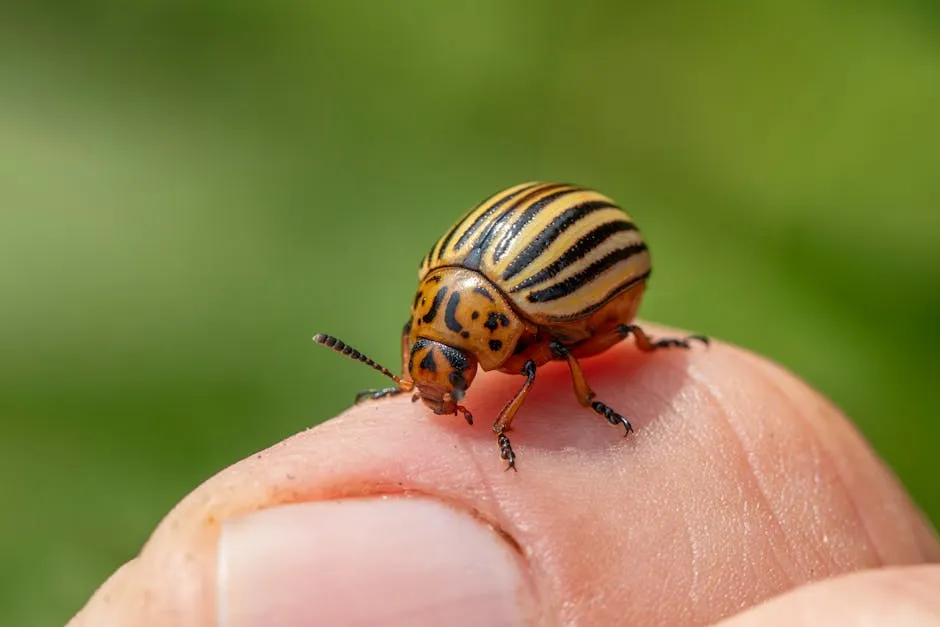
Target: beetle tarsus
{"x": 645, "y": 343}
{"x": 466, "y": 414}
{"x": 374, "y": 394}
{"x": 558, "y": 350}
{"x": 612, "y": 417}
{"x": 685, "y": 342}
{"x": 505, "y": 451}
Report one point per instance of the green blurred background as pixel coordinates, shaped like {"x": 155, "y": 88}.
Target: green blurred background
{"x": 189, "y": 190}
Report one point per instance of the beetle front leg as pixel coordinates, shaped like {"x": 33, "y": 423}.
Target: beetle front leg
{"x": 508, "y": 412}
{"x": 376, "y": 393}
{"x": 646, "y": 344}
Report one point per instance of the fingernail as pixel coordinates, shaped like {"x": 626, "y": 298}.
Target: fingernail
{"x": 377, "y": 561}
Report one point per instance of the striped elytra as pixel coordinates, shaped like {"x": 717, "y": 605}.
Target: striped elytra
{"x": 557, "y": 251}
{"x": 535, "y": 273}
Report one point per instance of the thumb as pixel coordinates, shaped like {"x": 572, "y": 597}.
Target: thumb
{"x": 739, "y": 484}
{"x": 902, "y": 597}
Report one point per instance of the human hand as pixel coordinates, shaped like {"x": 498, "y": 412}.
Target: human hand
{"x": 739, "y": 484}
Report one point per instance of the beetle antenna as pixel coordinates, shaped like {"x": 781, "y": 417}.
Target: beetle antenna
{"x": 341, "y": 347}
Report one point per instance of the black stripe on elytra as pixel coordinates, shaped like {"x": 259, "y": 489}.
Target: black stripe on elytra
{"x": 580, "y": 249}
{"x": 575, "y": 281}
{"x": 525, "y": 218}
{"x": 484, "y": 241}
{"x": 435, "y": 304}
{"x": 450, "y": 313}
{"x": 611, "y": 294}
{"x": 481, "y": 219}
{"x": 444, "y": 241}
{"x": 426, "y": 260}
{"x": 547, "y": 236}
{"x": 485, "y": 293}
{"x": 418, "y": 296}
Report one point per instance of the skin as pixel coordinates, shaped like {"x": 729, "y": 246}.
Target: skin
{"x": 739, "y": 485}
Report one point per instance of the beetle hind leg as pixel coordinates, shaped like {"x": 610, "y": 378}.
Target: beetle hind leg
{"x": 646, "y": 344}
{"x": 583, "y": 391}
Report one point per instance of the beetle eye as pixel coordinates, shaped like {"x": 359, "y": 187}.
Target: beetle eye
{"x": 460, "y": 384}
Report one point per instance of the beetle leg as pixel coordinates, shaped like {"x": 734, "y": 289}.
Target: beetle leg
{"x": 405, "y": 349}
{"x": 508, "y": 412}
{"x": 376, "y": 393}
{"x": 646, "y": 344}
{"x": 583, "y": 391}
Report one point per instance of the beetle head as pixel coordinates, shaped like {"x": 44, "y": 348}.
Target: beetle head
{"x": 441, "y": 374}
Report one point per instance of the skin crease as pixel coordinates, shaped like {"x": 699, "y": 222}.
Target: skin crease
{"x": 739, "y": 484}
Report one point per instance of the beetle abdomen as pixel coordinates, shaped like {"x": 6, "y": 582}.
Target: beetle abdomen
{"x": 559, "y": 252}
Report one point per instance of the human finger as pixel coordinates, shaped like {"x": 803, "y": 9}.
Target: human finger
{"x": 739, "y": 483}
{"x": 901, "y": 597}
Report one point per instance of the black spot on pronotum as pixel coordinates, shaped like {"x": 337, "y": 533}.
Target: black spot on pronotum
{"x": 495, "y": 345}
{"x": 436, "y": 278}
{"x": 475, "y": 315}
{"x": 428, "y": 362}
{"x": 435, "y": 304}
{"x": 464, "y": 334}
{"x": 450, "y": 314}
{"x": 485, "y": 293}
{"x": 492, "y": 321}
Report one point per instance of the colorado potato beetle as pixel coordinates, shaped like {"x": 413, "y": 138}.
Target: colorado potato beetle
{"x": 535, "y": 273}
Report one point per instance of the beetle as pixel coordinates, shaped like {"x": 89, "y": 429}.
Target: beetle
{"x": 535, "y": 273}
